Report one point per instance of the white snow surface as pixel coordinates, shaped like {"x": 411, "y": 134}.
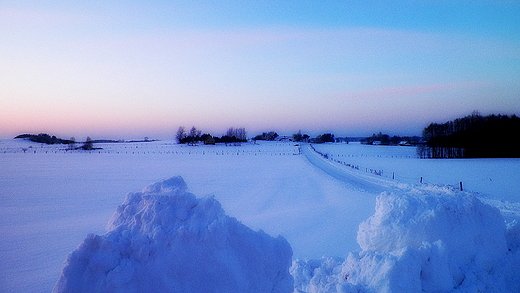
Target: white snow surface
{"x": 434, "y": 241}
{"x": 163, "y": 239}
{"x": 421, "y": 238}
{"x": 426, "y": 236}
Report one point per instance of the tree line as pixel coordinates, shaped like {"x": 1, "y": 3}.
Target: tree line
{"x": 48, "y": 139}
{"x": 195, "y": 136}
{"x": 45, "y": 138}
{"x": 473, "y": 136}
{"x": 385, "y": 139}
{"x": 238, "y": 135}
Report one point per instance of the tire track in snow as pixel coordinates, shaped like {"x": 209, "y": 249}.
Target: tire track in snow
{"x": 356, "y": 180}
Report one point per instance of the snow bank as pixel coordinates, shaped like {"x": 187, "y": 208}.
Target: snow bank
{"x": 163, "y": 239}
{"x": 316, "y": 275}
{"x": 423, "y": 242}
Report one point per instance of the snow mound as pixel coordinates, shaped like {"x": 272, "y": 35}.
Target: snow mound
{"x": 164, "y": 239}
{"x": 419, "y": 241}
{"x": 316, "y": 275}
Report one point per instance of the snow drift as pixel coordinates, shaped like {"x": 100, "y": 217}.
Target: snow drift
{"x": 164, "y": 239}
{"x": 423, "y": 241}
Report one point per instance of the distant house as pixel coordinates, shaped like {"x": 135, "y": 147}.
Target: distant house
{"x": 404, "y": 143}
{"x": 376, "y": 142}
{"x": 209, "y": 141}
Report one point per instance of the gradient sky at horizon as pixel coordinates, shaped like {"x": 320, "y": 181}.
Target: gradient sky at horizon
{"x": 129, "y": 69}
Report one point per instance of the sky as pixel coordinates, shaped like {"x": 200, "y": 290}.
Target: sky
{"x": 130, "y": 69}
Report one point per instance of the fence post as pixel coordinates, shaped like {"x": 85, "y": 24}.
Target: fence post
{"x": 421, "y": 180}
{"x": 460, "y": 183}
{"x": 393, "y": 175}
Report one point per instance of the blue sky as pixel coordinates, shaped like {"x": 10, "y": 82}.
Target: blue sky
{"x": 129, "y": 69}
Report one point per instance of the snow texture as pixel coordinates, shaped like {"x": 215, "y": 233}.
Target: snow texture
{"x": 164, "y": 239}
{"x": 423, "y": 242}
{"x": 423, "y": 237}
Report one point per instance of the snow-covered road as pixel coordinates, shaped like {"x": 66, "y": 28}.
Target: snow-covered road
{"x": 355, "y": 179}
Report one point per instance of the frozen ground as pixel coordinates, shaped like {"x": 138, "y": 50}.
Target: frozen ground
{"x": 52, "y": 199}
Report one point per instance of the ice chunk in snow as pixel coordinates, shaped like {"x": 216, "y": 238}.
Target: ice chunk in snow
{"x": 164, "y": 239}
{"x": 425, "y": 242}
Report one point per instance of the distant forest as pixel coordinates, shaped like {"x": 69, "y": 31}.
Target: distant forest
{"x": 45, "y": 138}
{"x": 48, "y": 139}
{"x": 473, "y": 136}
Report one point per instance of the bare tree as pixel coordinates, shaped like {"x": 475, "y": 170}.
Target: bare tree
{"x": 238, "y": 133}
{"x": 194, "y": 136}
{"x": 194, "y": 132}
{"x": 230, "y": 132}
{"x": 181, "y": 134}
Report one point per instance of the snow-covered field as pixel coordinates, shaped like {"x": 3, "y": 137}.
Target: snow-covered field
{"x": 495, "y": 181}
{"x": 51, "y": 199}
